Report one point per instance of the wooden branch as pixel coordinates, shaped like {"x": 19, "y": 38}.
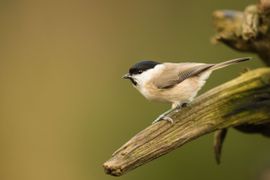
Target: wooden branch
{"x": 247, "y": 31}
{"x": 218, "y": 142}
{"x": 244, "y": 100}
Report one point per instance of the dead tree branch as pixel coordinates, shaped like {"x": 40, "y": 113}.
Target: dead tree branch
{"x": 247, "y": 31}
{"x": 242, "y": 101}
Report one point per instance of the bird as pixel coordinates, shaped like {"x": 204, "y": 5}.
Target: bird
{"x": 175, "y": 83}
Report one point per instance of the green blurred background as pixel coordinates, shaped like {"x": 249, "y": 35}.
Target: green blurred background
{"x": 64, "y": 108}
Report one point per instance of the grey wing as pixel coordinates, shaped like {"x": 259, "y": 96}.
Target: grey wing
{"x": 177, "y": 73}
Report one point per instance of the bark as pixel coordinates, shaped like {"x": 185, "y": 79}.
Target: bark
{"x": 247, "y": 31}
{"x": 244, "y": 100}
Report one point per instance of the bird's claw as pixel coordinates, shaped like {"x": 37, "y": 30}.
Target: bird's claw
{"x": 163, "y": 117}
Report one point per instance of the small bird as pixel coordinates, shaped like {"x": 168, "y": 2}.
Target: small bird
{"x": 175, "y": 83}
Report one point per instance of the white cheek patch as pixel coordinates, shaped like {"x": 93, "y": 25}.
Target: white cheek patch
{"x": 143, "y": 78}
{"x": 147, "y": 75}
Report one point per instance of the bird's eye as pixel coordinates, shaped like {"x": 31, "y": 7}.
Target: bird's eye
{"x": 140, "y": 71}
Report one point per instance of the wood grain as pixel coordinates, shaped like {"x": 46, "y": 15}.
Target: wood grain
{"x": 243, "y": 100}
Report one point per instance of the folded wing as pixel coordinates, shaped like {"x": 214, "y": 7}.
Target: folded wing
{"x": 175, "y": 73}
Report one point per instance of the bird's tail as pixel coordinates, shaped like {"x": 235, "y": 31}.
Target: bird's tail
{"x": 230, "y": 62}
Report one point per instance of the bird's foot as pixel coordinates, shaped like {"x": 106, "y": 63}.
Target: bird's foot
{"x": 163, "y": 117}
{"x": 174, "y": 110}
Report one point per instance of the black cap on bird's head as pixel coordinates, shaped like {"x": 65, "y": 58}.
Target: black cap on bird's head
{"x": 139, "y": 68}
{"x": 142, "y": 66}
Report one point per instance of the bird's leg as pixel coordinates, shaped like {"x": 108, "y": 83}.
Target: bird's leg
{"x": 164, "y": 116}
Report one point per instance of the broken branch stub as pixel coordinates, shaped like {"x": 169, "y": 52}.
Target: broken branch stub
{"x": 247, "y": 31}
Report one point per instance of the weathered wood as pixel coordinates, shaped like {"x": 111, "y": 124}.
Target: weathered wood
{"x": 244, "y": 100}
{"x": 247, "y": 31}
{"x": 219, "y": 138}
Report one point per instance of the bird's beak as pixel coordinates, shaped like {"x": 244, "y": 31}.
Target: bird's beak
{"x": 126, "y": 76}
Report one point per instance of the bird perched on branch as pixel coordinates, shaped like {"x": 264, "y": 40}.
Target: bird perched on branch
{"x": 176, "y": 83}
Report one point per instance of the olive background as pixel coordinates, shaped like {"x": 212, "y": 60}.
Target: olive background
{"x": 65, "y": 109}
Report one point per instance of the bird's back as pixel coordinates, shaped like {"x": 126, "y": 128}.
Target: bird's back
{"x": 170, "y": 74}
